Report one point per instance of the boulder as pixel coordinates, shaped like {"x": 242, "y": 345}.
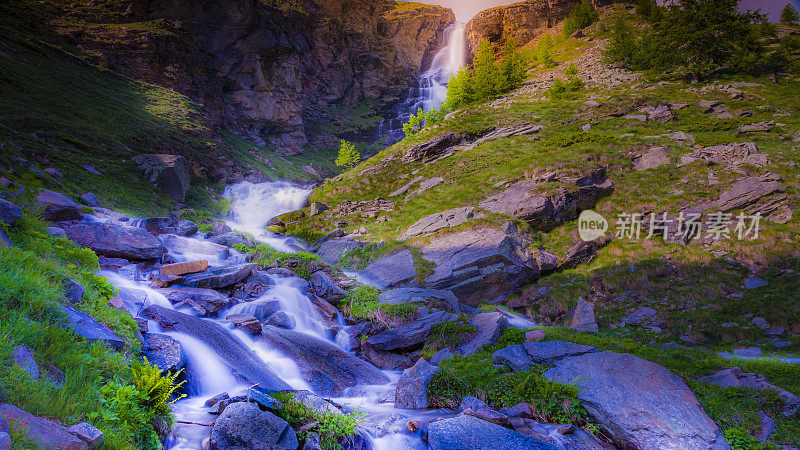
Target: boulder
{"x": 433, "y": 148}
{"x": 326, "y": 367}
{"x": 490, "y": 326}
{"x": 58, "y": 207}
{"x": 326, "y": 288}
{"x": 115, "y": 241}
{"x": 331, "y": 250}
{"x": 89, "y": 434}
{"x": 392, "y": 271}
{"x": 748, "y": 192}
{"x": 316, "y": 208}
{"x": 184, "y": 268}
{"x": 236, "y": 354}
{"x": 73, "y": 291}
{"x": 437, "y": 222}
{"x": 473, "y": 403}
{"x": 204, "y": 301}
{"x": 163, "y": 352}
{"x": 281, "y": 319}
{"x": 9, "y": 212}
{"x": 583, "y": 317}
{"x": 90, "y": 199}
{"x": 335, "y": 234}
{"x": 466, "y": 432}
{"x": 640, "y": 403}
{"x": 220, "y": 277}
{"x": 652, "y": 158}
{"x": 411, "y": 391}
{"x": 659, "y": 113}
{"x": 230, "y": 239}
{"x": 169, "y": 173}
{"x": 432, "y": 297}
{"x": 440, "y": 356}
{"x": 385, "y": 360}
{"x": 43, "y": 433}
{"x": 245, "y": 321}
{"x": 735, "y": 377}
{"x": 88, "y": 328}
{"x": 410, "y": 335}
{"x": 758, "y": 126}
{"x": 24, "y": 357}
{"x": 169, "y": 225}
{"x": 522, "y": 357}
{"x": 243, "y": 425}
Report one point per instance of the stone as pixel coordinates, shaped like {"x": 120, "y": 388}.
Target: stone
{"x": 432, "y": 297}
{"x": 281, "y": 319}
{"x": 203, "y": 301}
{"x": 534, "y": 336}
{"x": 73, "y": 291}
{"x": 747, "y": 353}
{"x": 90, "y": 199}
{"x": 230, "y": 239}
{"x": 522, "y": 357}
{"x": 9, "y": 212}
{"x": 437, "y": 222}
{"x": 160, "y": 280}
{"x": 640, "y": 403}
{"x": 754, "y": 283}
{"x": 328, "y": 369}
{"x": 88, "y": 328}
{"x": 244, "y": 425}
{"x": 262, "y": 397}
{"x": 44, "y": 434}
{"x": 245, "y": 321}
{"x": 490, "y": 326}
{"x": 735, "y": 377}
{"x": 115, "y": 241}
{"x": 471, "y": 403}
{"x": 185, "y": 268}
{"x": 403, "y": 189}
{"x": 760, "y": 322}
{"x": 331, "y": 250}
{"x": 583, "y": 317}
{"x": 220, "y": 228}
{"x": 326, "y": 288}
{"x": 640, "y": 316}
{"x": 768, "y": 427}
{"x": 433, "y": 148}
{"x": 392, "y": 271}
{"x": 58, "y": 207}
{"x": 652, "y": 158}
{"x": 746, "y": 192}
{"x": 412, "y": 387}
{"x": 465, "y": 432}
{"x": 55, "y": 173}
{"x": 440, "y": 356}
{"x": 169, "y": 173}
{"x": 220, "y": 277}
{"x": 5, "y": 441}
{"x": 754, "y": 127}
{"x": 179, "y": 248}
{"x": 409, "y": 335}
{"x": 317, "y": 208}
{"x": 56, "y": 232}
{"x": 25, "y": 358}
{"x": 237, "y": 355}
{"x": 489, "y": 415}
{"x": 89, "y": 434}
{"x": 169, "y": 225}
{"x": 216, "y": 399}
{"x": 659, "y": 113}
{"x": 639, "y": 117}
{"x": 163, "y": 352}
{"x": 385, "y": 360}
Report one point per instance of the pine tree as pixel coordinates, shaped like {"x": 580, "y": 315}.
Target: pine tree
{"x": 459, "y": 90}
{"x": 485, "y": 73}
{"x": 513, "y": 66}
{"x": 789, "y": 15}
{"x": 348, "y": 155}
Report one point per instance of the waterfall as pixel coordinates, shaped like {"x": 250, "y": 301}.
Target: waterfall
{"x": 431, "y": 90}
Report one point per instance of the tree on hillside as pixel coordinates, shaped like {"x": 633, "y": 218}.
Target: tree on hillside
{"x": 789, "y": 15}
{"x": 513, "y": 64}
{"x": 487, "y": 79}
{"x": 348, "y": 155}
{"x": 459, "y": 90}
{"x": 581, "y": 17}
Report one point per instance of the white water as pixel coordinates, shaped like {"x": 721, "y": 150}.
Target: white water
{"x": 431, "y": 90}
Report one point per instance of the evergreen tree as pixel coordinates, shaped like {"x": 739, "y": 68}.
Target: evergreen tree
{"x": 459, "y": 90}
{"x": 581, "y": 17}
{"x": 513, "y": 66}
{"x": 485, "y": 73}
{"x": 789, "y": 15}
{"x": 348, "y": 155}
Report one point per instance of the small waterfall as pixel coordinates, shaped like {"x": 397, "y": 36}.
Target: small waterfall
{"x": 431, "y": 89}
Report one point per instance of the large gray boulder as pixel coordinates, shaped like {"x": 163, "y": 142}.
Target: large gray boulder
{"x": 489, "y": 326}
{"x": 220, "y": 277}
{"x": 409, "y": 335}
{"x": 9, "y": 212}
{"x": 641, "y": 404}
{"x": 411, "y": 391}
{"x": 431, "y": 297}
{"x": 236, "y": 354}
{"x": 203, "y": 301}
{"x": 90, "y": 329}
{"x": 115, "y": 241}
{"x": 465, "y": 432}
{"x": 169, "y": 173}
{"x": 480, "y": 264}
{"x": 438, "y": 221}
{"x": 43, "y": 433}
{"x": 58, "y": 207}
{"x": 169, "y": 225}
{"x": 326, "y": 367}
{"x": 163, "y": 352}
{"x": 522, "y": 357}
{"x": 332, "y": 249}
{"x": 323, "y": 286}
{"x": 243, "y": 425}
{"x": 392, "y": 271}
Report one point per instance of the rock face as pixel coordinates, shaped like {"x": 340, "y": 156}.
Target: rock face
{"x": 244, "y": 425}
{"x": 412, "y": 387}
{"x": 44, "y": 433}
{"x": 169, "y": 173}
{"x": 431, "y": 297}
{"x": 490, "y": 326}
{"x": 58, "y": 207}
{"x": 326, "y": 367}
{"x": 466, "y": 432}
{"x": 410, "y": 335}
{"x": 115, "y": 241}
{"x": 326, "y": 288}
{"x": 392, "y": 271}
{"x": 234, "y": 352}
{"x": 642, "y": 404}
{"x": 437, "y": 222}
{"x": 204, "y": 301}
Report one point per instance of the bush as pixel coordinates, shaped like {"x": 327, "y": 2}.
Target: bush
{"x": 581, "y": 17}
{"x": 348, "y": 156}
{"x": 448, "y": 334}
{"x": 267, "y": 256}
{"x": 564, "y": 89}
{"x": 571, "y": 70}
{"x": 363, "y": 303}
{"x": 332, "y": 428}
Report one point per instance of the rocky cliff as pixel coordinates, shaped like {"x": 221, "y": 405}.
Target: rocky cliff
{"x": 264, "y": 68}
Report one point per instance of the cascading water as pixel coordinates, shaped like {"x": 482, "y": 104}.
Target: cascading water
{"x": 431, "y": 90}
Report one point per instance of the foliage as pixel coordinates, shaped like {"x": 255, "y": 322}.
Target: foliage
{"x": 789, "y": 15}
{"x": 158, "y": 389}
{"x": 740, "y": 439}
{"x": 449, "y": 334}
{"x": 487, "y": 79}
{"x": 571, "y": 70}
{"x": 544, "y": 51}
{"x": 267, "y": 256}
{"x": 564, "y": 89}
{"x": 331, "y": 427}
{"x": 422, "y": 119}
{"x": 363, "y": 303}
{"x": 123, "y": 405}
{"x": 348, "y": 156}
{"x": 583, "y": 15}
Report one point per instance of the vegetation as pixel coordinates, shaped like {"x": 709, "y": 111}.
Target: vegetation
{"x": 333, "y": 429}
{"x": 581, "y": 17}
{"x": 302, "y": 263}
{"x": 362, "y": 302}
{"x": 348, "y": 155}
{"x": 789, "y": 15}
{"x": 448, "y": 335}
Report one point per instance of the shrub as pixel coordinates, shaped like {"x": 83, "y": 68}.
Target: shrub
{"x": 565, "y": 89}
{"x": 739, "y": 439}
{"x": 332, "y": 428}
{"x": 267, "y": 256}
{"x": 448, "y": 334}
{"x": 571, "y": 70}
{"x": 348, "y": 156}
{"x": 581, "y": 17}
{"x": 363, "y": 303}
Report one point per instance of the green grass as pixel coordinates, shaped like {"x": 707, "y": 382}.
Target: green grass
{"x": 362, "y": 302}
{"x": 302, "y": 263}
{"x": 333, "y": 429}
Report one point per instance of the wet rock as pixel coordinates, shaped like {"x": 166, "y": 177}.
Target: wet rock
{"x": 735, "y": 377}
{"x": 392, "y": 271}
{"x": 522, "y": 357}
{"x": 88, "y": 328}
{"x": 437, "y": 222}
{"x": 330, "y": 251}
{"x": 409, "y": 335}
{"x": 466, "y": 432}
{"x": 489, "y": 415}
{"x": 25, "y": 358}
{"x": 244, "y": 425}
{"x": 169, "y": 173}
{"x": 220, "y": 277}
{"x": 583, "y": 317}
{"x": 412, "y": 387}
{"x": 89, "y": 434}
{"x": 435, "y": 298}
{"x": 245, "y": 322}
{"x": 473, "y": 403}
{"x": 440, "y": 356}
{"x": 203, "y": 301}
{"x": 216, "y": 399}
{"x": 385, "y": 360}
{"x": 9, "y": 212}
{"x": 42, "y": 432}
{"x": 230, "y": 239}
{"x": 326, "y": 367}
{"x": 335, "y": 234}
{"x": 184, "y": 268}
{"x": 163, "y": 352}
{"x": 490, "y": 326}
{"x": 115, "y": 241}
{"x": 282, "y": 319}
{"x": 89, "y": 199}
{"x": 326, "y": 288}
{"x": 259, "y": 282}
{"x": 169, "y": 225}
{"x": 182, "y": 249}
{"x": 652, "y": 158}
{"x": 236, "y": 354}
{"x": 160, "y": 280}
{"x": 641, "y": 404}
{"x": 58, "y": 207}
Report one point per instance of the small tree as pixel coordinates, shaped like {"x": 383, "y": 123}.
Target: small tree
{"x": 789, "y": 15}
{"x": 513, "y": 65}
{"x": 459, "y": 90}
{"x": 485, "y": 72}
{"x": 581, "y": 17}
{"x": 348, "y": 155}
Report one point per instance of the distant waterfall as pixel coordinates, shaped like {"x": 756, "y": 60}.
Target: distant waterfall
{"x": 431, "y": 89}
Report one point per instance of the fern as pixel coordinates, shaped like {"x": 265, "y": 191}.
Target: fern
{"x": 157, "y": 389}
